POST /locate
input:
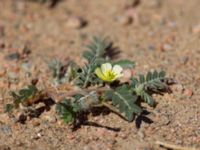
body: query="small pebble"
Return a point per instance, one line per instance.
(179, 142)
(35, 123)
(155, 3)
(123, 135)
(13, 77)
(141, 134)
(49, 116)
(124, 20)
(4, 118)
(6, 129)
(26, 66)
(188, 92)
(71, 136)
(178, 88)
(87, 147)
(196, 29)
(75, 22)
(151, 47)
(13, 56)
(166, 47)
(184, 60)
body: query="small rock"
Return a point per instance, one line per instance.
(184, 60)
(151, 47)
(13, 77)
(71, 136)
(48, 116)
(179, 142)
(75, 22)
(13, 56)
(178, 88)
(166, 47)
(123, 135)
(188, 92)
(6, 129)
(196, 29)
(141, 134)
(87, 147)
(4, 118)
(35, 122)
(124, 20)
(26, 66)
(172, 24)
(155, 3)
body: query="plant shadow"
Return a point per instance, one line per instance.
(82, 119)
(36, 112)
(143, 118)
(112, 51)
(54, 3)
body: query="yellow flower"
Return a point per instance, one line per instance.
(108, 73)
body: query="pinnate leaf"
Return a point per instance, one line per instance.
(123, 99)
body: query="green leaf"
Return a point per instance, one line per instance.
(69, 109)
(96, 49)
(9, 108)
(123, 99)
(125, 63)
(162, 74)
(95, 55)
(24, 94)
(149, 76)
(142, 78)
(148, 99)
(152, 83)
(66, 111)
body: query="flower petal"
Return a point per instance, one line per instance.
(117, 69)
(99, 73)
(119, 75)
(105, 68)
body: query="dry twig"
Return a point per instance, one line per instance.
(174, 147)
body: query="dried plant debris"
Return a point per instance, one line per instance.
(96, 84)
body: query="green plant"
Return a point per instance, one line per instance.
(22, 97)
(98, 84)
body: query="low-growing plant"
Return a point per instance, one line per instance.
(97, 84)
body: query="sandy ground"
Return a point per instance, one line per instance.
(163, 34)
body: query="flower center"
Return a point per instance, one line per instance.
(110, 75)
